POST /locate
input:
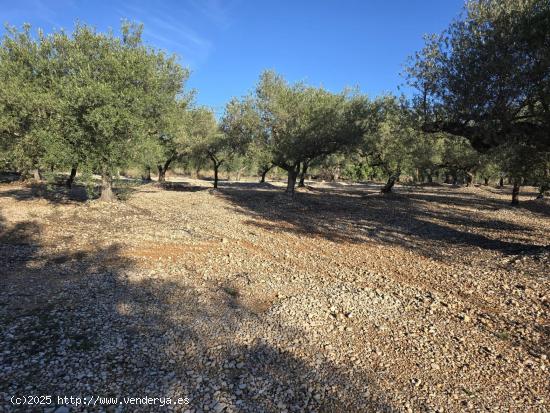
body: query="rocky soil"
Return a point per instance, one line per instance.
(432, 299)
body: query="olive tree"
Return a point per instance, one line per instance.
(243, 127)
(426, 155)
(109, 107)
(27, 105)
(209, 141)
(112, 106)
(303, 123)
(487, 77)
(488, 168)
(175, 136)
(522, 164)
(390, 137)
(459, 159)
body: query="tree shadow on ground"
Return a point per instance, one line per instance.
(537, 206)
(408, 219)
(58, 193)
(8, 177)
(91, 322)
(181, 187)
(250, 185)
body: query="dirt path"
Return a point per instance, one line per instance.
(431, 299)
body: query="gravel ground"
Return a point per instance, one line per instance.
(432, 299)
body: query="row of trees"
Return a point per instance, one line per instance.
(96, 103)
(88, 101)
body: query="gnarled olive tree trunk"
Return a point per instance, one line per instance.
(469, 178)
(161, 173)
(70, 180)
(107, 193)
(146, 177)
(391, 182)
(263, 172)
(292, 172)
(305, 165)
(216, 168)
(162, 170)
(216, 163)
(515, 191)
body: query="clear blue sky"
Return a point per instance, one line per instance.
(227, 43)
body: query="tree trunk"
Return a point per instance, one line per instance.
(216, 167)
(515, 192)
(146, 177)
(544, 186)
(391, 182)
(486, 181)
(23, 175)
(305, 165)
(430, 178)
(264, 173)
(162, 170)
(70, 180)
(162, 174)
(36, 175)
(107, 187)
(291, 180)
(501, 182)
(447, 178)
(469, 178)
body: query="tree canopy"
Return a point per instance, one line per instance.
(487, 77)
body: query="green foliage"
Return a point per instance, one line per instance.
(357, 171)
(210, 142)
(488, 168)
(243, 127)
(487, 77)
(519, 161)
(112, 107)
(426, 155)
(458, 155)
(303, 123)
(27, 103)
(203, 131)
(389, 144)
(88, 99)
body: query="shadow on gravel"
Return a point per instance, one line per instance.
(402, 219)
(77, 323)
(55, 194)
(59, 194)
(8, 177)
(537, 206)
(181, 187)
